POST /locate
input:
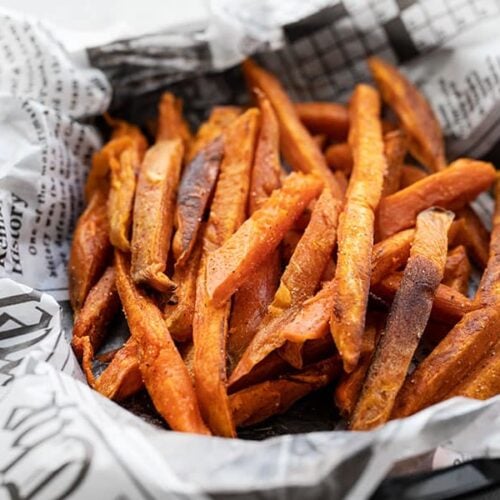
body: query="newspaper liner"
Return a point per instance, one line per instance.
(47, 98)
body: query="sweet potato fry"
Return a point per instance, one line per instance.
(459, 352)
(452, 188)
(220, 118)
(121, 197)
(99, 308)
(179, 311)
(90, 249)
(425, 138)
(259, 402)
(339, 157)
(195, 188)
(457, 270)
(162, 368)
(449, 305)
(328, 118)
(211, 322)
(320, 140)
(171, 123)
(356, 225)
(297, 145)
(349, 387)
(253, 297)
(407, 319)
(409, 175)
(154, 214)
(121, 128)
(395, 152)
(342, 180)
(122, 377)
(258, 236)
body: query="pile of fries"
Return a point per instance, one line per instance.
(246, 287)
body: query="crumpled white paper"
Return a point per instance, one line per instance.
(57, 437)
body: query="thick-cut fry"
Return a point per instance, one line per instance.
(121, 197)
(253, 297)
(258, 402)
(171, 123)
(425, 138)
(349, 387)
(163, 371)
(220, 118)
(298, 283)
(474, 236)
(211, 322)
(196, 186)
(121, 128)
(258, 236)
(356, 225)
(457, 270)
(407, 319)
(328, 118)
(452, 188)
(460, 351)
(297, 145)
(154, 214)
(409, 175)
(395, 152)
(179, 311)
(339, 157)
(122, 377)
(90, 249)
(449, 305)
(320, 140)
(99, 308)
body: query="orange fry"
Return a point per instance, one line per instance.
(328, 118)
(457, 270)
(211, 322)
(395, 152)
(90, 249)
(259, 402)
(409, 175)
(407, 320)
(258, 236)
(356, 225)
(339, 157)
(121, 128)
(162, 368)
(425, 138)
(171, 123)
(297, 145)
(195, 188)
(154, 214)
(452, 188)
(99, 308)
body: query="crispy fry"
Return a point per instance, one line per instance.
(154, 214)
(407, 319)
(459, 352)
(171, 123)
(99, 308)
(339, 157)
(425, 138)
(457, 270)
(253, 297)
(121, 197)
(449, 305)
(195, 188)
(395, 152)
(211, 322)
(121, 128)
(179, 311)
(122, 377)
(298, 283)
(259, 402)
(162, 368)
(328, 118)
(90, 249)
(452, 188)
(297, 145)
(230, 265)
(409, 175)
(356, 225)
